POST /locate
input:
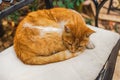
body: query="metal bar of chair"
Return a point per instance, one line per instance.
(98, 8)
(110, 5)
(48, 4)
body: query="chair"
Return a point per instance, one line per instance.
(96, 64)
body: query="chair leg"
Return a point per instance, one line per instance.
(110, 5)
(98, 8)
(1, 30)
(49, 4)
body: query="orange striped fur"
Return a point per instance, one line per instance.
(47, 36)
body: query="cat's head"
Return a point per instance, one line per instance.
(76, 43)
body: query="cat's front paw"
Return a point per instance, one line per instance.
(90, 45)
(81, 49)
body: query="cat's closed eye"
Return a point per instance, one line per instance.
(68, 42)
(87, 35)
(79, 46)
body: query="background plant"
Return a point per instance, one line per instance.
(68, 3)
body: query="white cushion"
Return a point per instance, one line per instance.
(86, 66)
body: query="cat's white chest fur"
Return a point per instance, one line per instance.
(46, 29)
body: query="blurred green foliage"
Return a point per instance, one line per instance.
(67, 3)
(14, 16)
(35, 6)
(88, 21)
(17, 14)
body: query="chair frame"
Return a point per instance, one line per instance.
(111, 7)
(107, 71)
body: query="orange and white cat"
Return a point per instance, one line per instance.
(47, 36)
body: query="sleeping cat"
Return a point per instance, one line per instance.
(47, 36)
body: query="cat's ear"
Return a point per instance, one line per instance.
(89, 32)
(67, 29)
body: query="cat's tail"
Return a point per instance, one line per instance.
(60, 56)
